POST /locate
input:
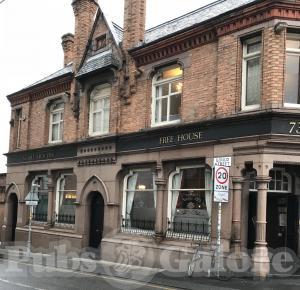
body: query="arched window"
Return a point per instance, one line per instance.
(66, 198)
(166, 96)
(189, 202)
(139, 202)
(99, 110)
(56, 124)
(40, 211)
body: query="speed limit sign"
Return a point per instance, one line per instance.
(221, 184)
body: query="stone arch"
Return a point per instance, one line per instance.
(12, 189)
(94, 184)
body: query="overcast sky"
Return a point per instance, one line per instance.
(30, 41)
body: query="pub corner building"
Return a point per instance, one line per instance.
(121, 141)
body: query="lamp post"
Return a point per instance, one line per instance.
(31, 200)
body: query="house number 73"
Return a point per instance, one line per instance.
(295, 128)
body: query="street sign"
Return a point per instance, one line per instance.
(221, 184)
(32, 202)
(222, 161)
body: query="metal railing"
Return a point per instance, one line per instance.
(138, 227)
(65, 218)
(185, 230)
(39, 217)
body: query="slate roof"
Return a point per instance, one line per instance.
(64, 71)
(195, 17)
(98, 61)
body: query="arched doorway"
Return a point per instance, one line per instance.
(12, 216)
(96, 208)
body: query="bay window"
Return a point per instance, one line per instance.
(251, 75)
(40, 211)
(56, 122)
(189, 202)
(139, 202)
(166, 100)
(99, 110)
(292, 82)
(65, 199)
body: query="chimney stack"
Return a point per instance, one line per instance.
(134, 22)
(84, 11)
(68, 47)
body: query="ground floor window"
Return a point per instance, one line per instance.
(189, 203)
(65, 199)
(40, 183)
(139, 202)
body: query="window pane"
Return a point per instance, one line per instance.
(176, 87)
(292, 79)
(97, 105)
(157, 114)
(175, 104)
(293, 43)
(106, 103)
(97, 122)
(56, 117)
(164, 109)
(165, 89)
(193, 178)
(55, 132)
(171, 73)
(253, 82)
(106, 120)
(254, 47)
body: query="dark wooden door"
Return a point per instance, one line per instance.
(96, 219)
(14, 208)
(251, 219)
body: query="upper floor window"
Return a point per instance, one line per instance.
(166, 100)
(99, 110)
(292, 83)
(101, 42)
(18, 126)
(56, 122)
(251, 76)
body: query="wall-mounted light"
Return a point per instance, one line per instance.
(279, 27)
(141, 187)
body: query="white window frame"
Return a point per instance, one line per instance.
(292, 51)
(60, 122)
(156, 83)
(246, 58)
(171, 189)
(103, 94)
(125, 190)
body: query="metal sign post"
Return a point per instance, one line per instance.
(31, 200)
(221, 192)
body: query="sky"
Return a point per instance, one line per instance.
(30, 42)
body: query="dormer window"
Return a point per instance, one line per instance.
(166, 100)
(56, 122)
(101, 42)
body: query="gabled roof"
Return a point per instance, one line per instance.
(97, 62)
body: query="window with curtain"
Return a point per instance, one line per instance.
(140, 200)
(40, 211)
(167, 91)
(292, 82)
(99, 110)
(190, 200)
(66, 198)
(56, 122)
(251, 79)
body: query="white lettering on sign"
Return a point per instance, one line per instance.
(222, 161)
(221, 184)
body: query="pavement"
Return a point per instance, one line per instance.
(19, 270)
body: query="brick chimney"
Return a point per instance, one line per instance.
(134, 22)
(84, 11)
(68, 47)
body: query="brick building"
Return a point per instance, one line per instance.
(121, 140)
